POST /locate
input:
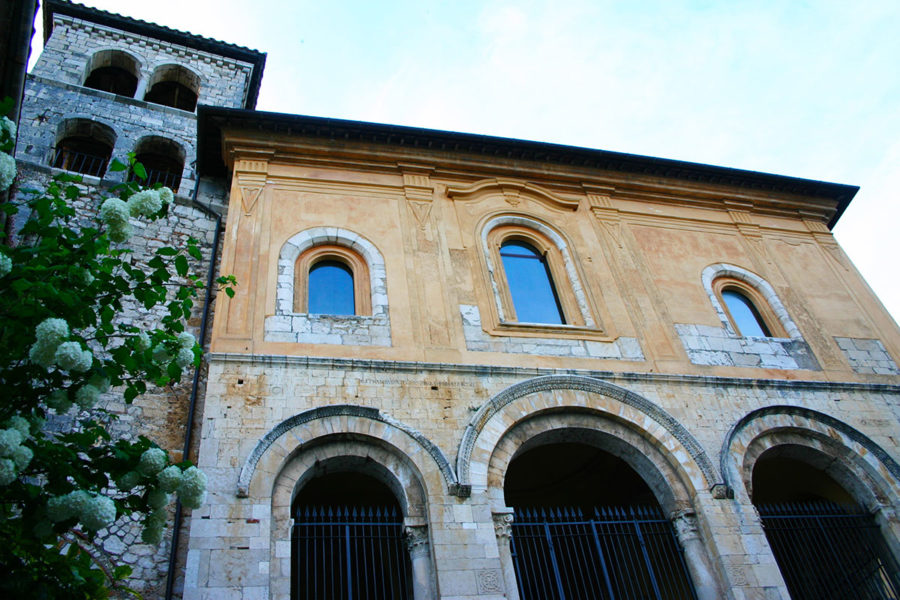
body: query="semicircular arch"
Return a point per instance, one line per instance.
(562, 393)
(309, 428)
(853, 459)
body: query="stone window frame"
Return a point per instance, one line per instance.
(570, 290)
(721, 276)
(331, 237)
(162, 145)
(179, 73)
(87, 128)
(362, 301)
(105, 57)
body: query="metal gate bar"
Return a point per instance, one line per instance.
(829, 552)
(614, 554)
(349, 553)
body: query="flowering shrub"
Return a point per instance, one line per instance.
(63, 344)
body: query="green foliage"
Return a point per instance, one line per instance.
(68, 268)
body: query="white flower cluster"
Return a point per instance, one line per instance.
(94, 511)
(152, 462)
(114, 213)
(145, 203)
(50, 348)
(7, 171)
(192, 490)
(5, 265)
(13, 455)
(8, 128)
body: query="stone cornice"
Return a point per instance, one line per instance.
(491, 370)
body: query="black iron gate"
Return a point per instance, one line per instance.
(349, 553)
(626, 553)
(829, 552)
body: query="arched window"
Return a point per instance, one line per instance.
(331, 288)
(744, 315)
(331, 280)
(747, 311)
(175, 86)
(83, 146)
(530, 284)
(163, 160)
(113, 71)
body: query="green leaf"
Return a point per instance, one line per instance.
(117, 165)
(139, 170)
(181, 265)
(167, 251)
(229, 292)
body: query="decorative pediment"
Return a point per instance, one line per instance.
(512, 190)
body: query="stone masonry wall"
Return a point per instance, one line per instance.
(73, 42)
(239, 546)
(160, 414)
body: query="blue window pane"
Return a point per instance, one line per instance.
(331, 289)
(530, 286)
(744, 314)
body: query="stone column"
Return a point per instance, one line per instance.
(695, 556)
(420, 558)
(503, 520)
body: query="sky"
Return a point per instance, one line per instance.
(801, 88)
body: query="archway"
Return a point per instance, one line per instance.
(826, 544)
(348, 535)
(587, 525)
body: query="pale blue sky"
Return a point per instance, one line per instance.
(807, 89)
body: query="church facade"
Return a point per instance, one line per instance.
(463, 367)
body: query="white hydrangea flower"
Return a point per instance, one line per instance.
(120, 232)
(142, 341)
(114, 212)
(44, 356)
(186, 339)
(98, 513)
(22, 457)
(5, 265)
(152, 461)
(166, 195)
(169, 478)
(7, 471)
(71, 357)
(77, 501)
(10, 439)
(20, 424)
(87, 396)
(51, 332)
(7, 171)
(8, 126)
(59, 401)
(192, 491)
(59, 508)
(184, 358)
(128, 481)
(157, 499)
(145, 202)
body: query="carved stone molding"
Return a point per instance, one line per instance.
(512, 190)
(416, 539)
(503, 525)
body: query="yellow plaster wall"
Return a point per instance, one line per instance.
(640, 262)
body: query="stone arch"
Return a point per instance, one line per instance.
(342, 439)
(83, 145)
(186, 79)
(563, 247)
(604, 432)
(765, 289)
(850, 457)
(607, 405)
(114, 58)
(316, 236)
(307, 430)
(163, 158)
